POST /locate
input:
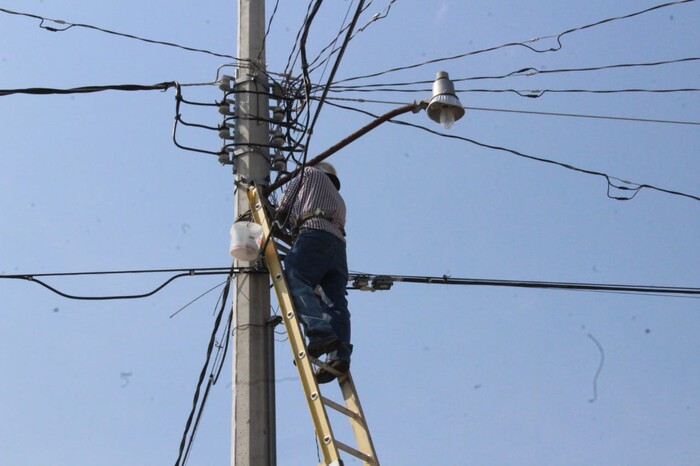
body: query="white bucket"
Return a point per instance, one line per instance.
(246, 240)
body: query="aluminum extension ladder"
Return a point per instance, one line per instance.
(305, 364)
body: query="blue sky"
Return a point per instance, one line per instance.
(447, 375)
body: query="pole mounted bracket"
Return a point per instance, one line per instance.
(236, 152)
(244, 75)
(243, 182)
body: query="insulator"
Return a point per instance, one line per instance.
(277, 91)
(225, 82)
(225, 158)
(277, 139)
(278, 156)
(277, 114)
(225, 109)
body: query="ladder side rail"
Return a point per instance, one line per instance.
(359, 426)
(319, 416)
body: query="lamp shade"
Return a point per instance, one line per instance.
(444, 107)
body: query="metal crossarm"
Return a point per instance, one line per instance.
(305, 364)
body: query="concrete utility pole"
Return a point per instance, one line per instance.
(253, 358)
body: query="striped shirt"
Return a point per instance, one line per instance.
(316, 192)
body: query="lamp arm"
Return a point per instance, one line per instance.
(415, 107)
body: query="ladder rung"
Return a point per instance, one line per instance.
(356, 453)
(282, 247)
(341, 409)
(327, 367)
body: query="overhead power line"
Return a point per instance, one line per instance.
(532, 112)
(578, 115)
(614, 183)
(536, 93)
(89, 89)
(533, 93)
(523, 72)
(192, 423)
(334, 69)
(558, 38)
(359, 281)
(183, 273)
(67, 25)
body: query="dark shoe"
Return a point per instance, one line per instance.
(320, 347)
(338, 368)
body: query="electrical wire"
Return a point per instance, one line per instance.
(558, 38)
(523, 72)
(613, 182)
(578, 115)
(534, 94)
(89, 89)
(196, 299)
(568, 286)
(183, 273)
(377, 16)
(532, 112)
(109, 298)
(267, 29)
(529, 93)
(191, 270)
(295, 52)
(69, 25)
(178, 119)
(331, 77)
(197, 407)
(324, 63)
(412, 279)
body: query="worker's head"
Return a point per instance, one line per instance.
(329, 170)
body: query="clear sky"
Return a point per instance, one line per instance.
(447, 375)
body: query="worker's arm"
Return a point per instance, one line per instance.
(287, 200)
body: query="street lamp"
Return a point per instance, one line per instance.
(444, 107)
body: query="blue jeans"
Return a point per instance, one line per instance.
(318, 258)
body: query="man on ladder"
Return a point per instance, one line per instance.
(315, 211)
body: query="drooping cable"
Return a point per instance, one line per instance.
(614, 183)
(537, 93)
(187, 273)
(568, 286)
(89, 89)
(331, 77)
(67, 25)
(578, 115)
(518, 44)
(315, 64)
(311, 68)
(532, 112)
(522, 72)
(294, 53)
(532, 93)
(197, 407)
(178, 119)
(417, 279)
(267, 29)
